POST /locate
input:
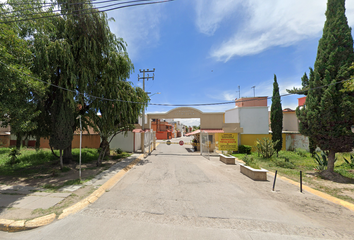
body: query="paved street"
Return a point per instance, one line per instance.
(178, 194)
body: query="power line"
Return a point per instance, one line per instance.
(60, 10)
(44, 3)
(165, 104)
(64, 14)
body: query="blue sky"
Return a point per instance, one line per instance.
(202, 50)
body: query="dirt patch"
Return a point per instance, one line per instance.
(53, 177)
(27, 214)
(340, 186)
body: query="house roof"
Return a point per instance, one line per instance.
(206, 130)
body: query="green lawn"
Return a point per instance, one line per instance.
(306, 164)
(301, 163)
(43, 161)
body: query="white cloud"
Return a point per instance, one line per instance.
(211, 13)
(266, 23)
(138, 26)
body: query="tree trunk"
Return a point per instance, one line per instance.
(105, 145)
(61, 159)
(18, 140)
(38, 142)
(68, 157)
(330, 164)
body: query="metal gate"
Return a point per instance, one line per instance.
(149, 142)
(137, 139)
(204, 144)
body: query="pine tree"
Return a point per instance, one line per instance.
(328, 112)
(276, 116)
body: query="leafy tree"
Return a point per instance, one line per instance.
(17, 88)
(119, 116)
(276, 117)
(327, 115)
(62, 135)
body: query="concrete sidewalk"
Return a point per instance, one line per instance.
(26, 199)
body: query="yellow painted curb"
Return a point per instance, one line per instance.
(41, 221)
(5, 223)
(100, 191)
(323, 195)
(15, 226)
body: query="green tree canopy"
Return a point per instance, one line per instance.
(328, 112)
(276, 117)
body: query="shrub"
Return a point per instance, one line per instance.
(249, 161)
(350, 161)
(265, 147)
(244, 149)
(301, 152)
(119, 151)
(284, 164)
(14, 152)
(322, 160)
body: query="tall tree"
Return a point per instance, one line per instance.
(327, 115)
(62, 135)
(276, 117)
(80, 53)
(119, 116)
(17, 88)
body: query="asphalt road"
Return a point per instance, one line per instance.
(178, 194)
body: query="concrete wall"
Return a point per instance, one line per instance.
(254, 120)
(88, 141)
(232, 116)
(212, 121)
(296, 140)
(290, 122)
(251, 139)
(252, 102)
(124, 142)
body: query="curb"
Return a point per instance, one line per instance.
(22, 225)
(320, 194)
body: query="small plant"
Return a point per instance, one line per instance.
(265, 147)
(249, 160)
(301, 152)
(229, 152)
(244, 149)
(350, 161)
(119, 151)
(65, 169)
(14, 152)
(284, 164)
(322, 160)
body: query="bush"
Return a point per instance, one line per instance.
(14, 152)
(350, 161)
(322, 160)
(119, 151)
(284, 164)
(244, 149)
(301, 152)
(249, 161)
(265, 147)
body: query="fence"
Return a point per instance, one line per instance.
(149, 143)
(204, 145)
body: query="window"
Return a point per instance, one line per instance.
(210, 139)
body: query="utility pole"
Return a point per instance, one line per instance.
(239, 92)
(254, 90)
(147, 78)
